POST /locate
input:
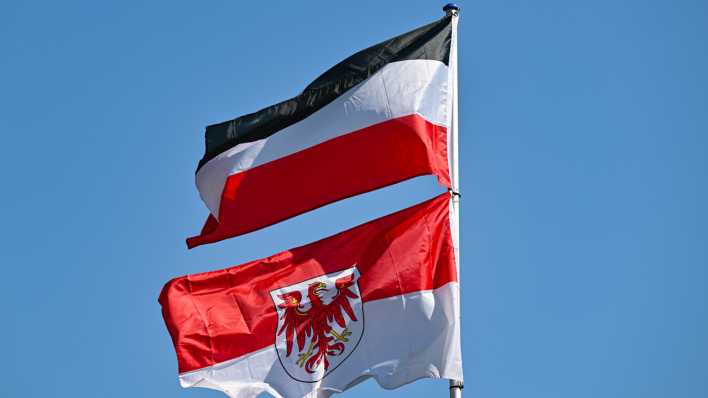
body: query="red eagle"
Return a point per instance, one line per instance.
(315, 322)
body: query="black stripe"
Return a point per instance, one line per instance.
(431, 41)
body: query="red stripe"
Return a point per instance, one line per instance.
(358, 162)
(220, 315)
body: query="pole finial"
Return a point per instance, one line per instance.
(451, 9)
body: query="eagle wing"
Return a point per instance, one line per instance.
(340, 302)
(297, 324)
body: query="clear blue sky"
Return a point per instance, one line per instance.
(584, 135)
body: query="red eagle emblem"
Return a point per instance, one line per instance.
(318, 318)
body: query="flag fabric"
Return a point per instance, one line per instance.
(377, 118)
(378, 301)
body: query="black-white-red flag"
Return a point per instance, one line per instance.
(377, 118)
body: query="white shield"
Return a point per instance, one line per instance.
(314, 313)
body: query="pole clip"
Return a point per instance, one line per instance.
(455, 193)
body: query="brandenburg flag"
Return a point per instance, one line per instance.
(378, 301)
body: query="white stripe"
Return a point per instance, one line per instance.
(406, 338)
(398, 89)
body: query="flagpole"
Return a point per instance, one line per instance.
(453, 10)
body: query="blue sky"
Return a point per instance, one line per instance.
(584, 130)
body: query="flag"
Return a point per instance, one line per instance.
(377, 118)
(378, 301)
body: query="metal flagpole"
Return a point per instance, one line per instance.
(453, 10)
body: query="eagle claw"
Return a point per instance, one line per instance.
(341, 336)
(301, 358)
